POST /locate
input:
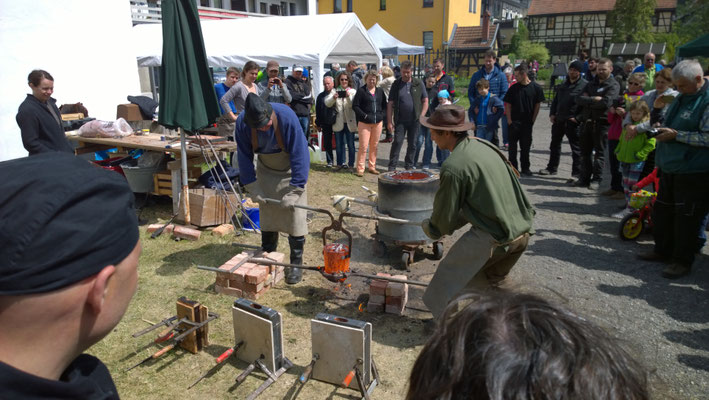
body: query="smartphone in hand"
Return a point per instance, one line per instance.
(342, 94)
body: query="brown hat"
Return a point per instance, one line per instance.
(448, 118)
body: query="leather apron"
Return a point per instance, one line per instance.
(273, 175)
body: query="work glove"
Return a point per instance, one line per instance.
(289, 199)
(256, 193)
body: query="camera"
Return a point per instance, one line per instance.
(652, 133)
(342, 94)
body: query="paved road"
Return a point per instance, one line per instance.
(576, 258)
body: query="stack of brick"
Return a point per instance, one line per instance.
(390, 297)
(249, 280)
(177, 231)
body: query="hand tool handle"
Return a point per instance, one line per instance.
(163, 351)
(306, 374)
(348, 379)
(164, 338)
(167, 330)
(245, 373)
(225, 355)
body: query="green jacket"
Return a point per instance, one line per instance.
(635, 150)
(417, 90)
(478, 187)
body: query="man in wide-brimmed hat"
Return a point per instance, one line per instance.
(480, 187)
(272, 131)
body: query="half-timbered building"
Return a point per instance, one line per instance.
(569, 27)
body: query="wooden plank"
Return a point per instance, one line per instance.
(203, 332)
(189, 309)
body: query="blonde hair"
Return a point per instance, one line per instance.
(387, 72)
(640, 77)
(642, 106)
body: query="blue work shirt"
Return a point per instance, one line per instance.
(293, 141)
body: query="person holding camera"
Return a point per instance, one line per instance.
(345, 123)
(272, 89)
(324, 118)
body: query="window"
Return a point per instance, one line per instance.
(238, 5)
(428, 40)
(292, 9)
(656, 19)
(349, 5)
(252, 6)
(337, 6)
(263, 8)
(204, 3)
(473, 7)
(551, 22)
(274, 9)
(284, 8)
(382, 5)
(427, 3)
(217, 3)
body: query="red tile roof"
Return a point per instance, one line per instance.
(551, 7)
(470, 37)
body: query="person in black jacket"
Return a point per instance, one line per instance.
(369, 105)
(563, 118)
(594, 102)
(39, 119)
(67, 274)
(408, 101)
(302, 98)
(325, 117)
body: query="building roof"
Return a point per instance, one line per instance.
(635, 49)
(552, 7)
(471, 37)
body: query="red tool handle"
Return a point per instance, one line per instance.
(165, 350)
(161, 339)
(225, 355)
(348, 379)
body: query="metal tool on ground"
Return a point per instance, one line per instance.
(340, 343)
(305, 376)
(219, 360)
(268, 382)
(159, 231)
(189, 329)
(242, 376)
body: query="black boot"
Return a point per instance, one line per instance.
(294, 275)
(269, 241)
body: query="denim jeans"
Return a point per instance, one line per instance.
(305, 124)
(327, 143)
(616, 174)
(505, 131)
(482, 132)
(341, 138)
(424, 140)
(408, 131)
(441, 156)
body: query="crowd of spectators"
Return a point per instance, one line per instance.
(613, 113)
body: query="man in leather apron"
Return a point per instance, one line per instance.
(272, 131)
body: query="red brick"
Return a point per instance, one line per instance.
(256, 275)
(228, 291)
(377, 299)
(222, 230)
(253, 287)
(183, 232)
(378, 288)
(254, 295)
(384, 274)
(375, 308)
(395, 289)
(154, 227)
(221, 280)
(275, 256)
(390, 309)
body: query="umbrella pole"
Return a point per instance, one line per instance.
(185, 183)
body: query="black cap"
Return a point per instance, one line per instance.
(63, 220)
(577, 65)
(257, 111)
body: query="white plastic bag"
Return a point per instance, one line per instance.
(106, 129)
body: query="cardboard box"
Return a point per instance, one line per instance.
(208, 208)
(129, 112)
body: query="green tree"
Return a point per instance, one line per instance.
(533, 51)
(520, 36)
(631, 21)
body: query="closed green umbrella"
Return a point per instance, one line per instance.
(187, 96)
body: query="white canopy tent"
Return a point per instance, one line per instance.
(389, 45)
(310, 40)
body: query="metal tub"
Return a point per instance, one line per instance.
(406, 195)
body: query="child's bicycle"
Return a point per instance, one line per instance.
(641, 219)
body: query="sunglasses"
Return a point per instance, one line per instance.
(634, 83)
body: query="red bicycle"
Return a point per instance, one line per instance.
(632, 225)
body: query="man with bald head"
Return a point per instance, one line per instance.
(69, 249)
(650, 68)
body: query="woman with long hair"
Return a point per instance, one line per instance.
(241, 89)
(369, 106)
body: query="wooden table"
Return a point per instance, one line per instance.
(153, 142)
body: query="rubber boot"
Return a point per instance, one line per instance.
(269, 241)
(294, 275)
